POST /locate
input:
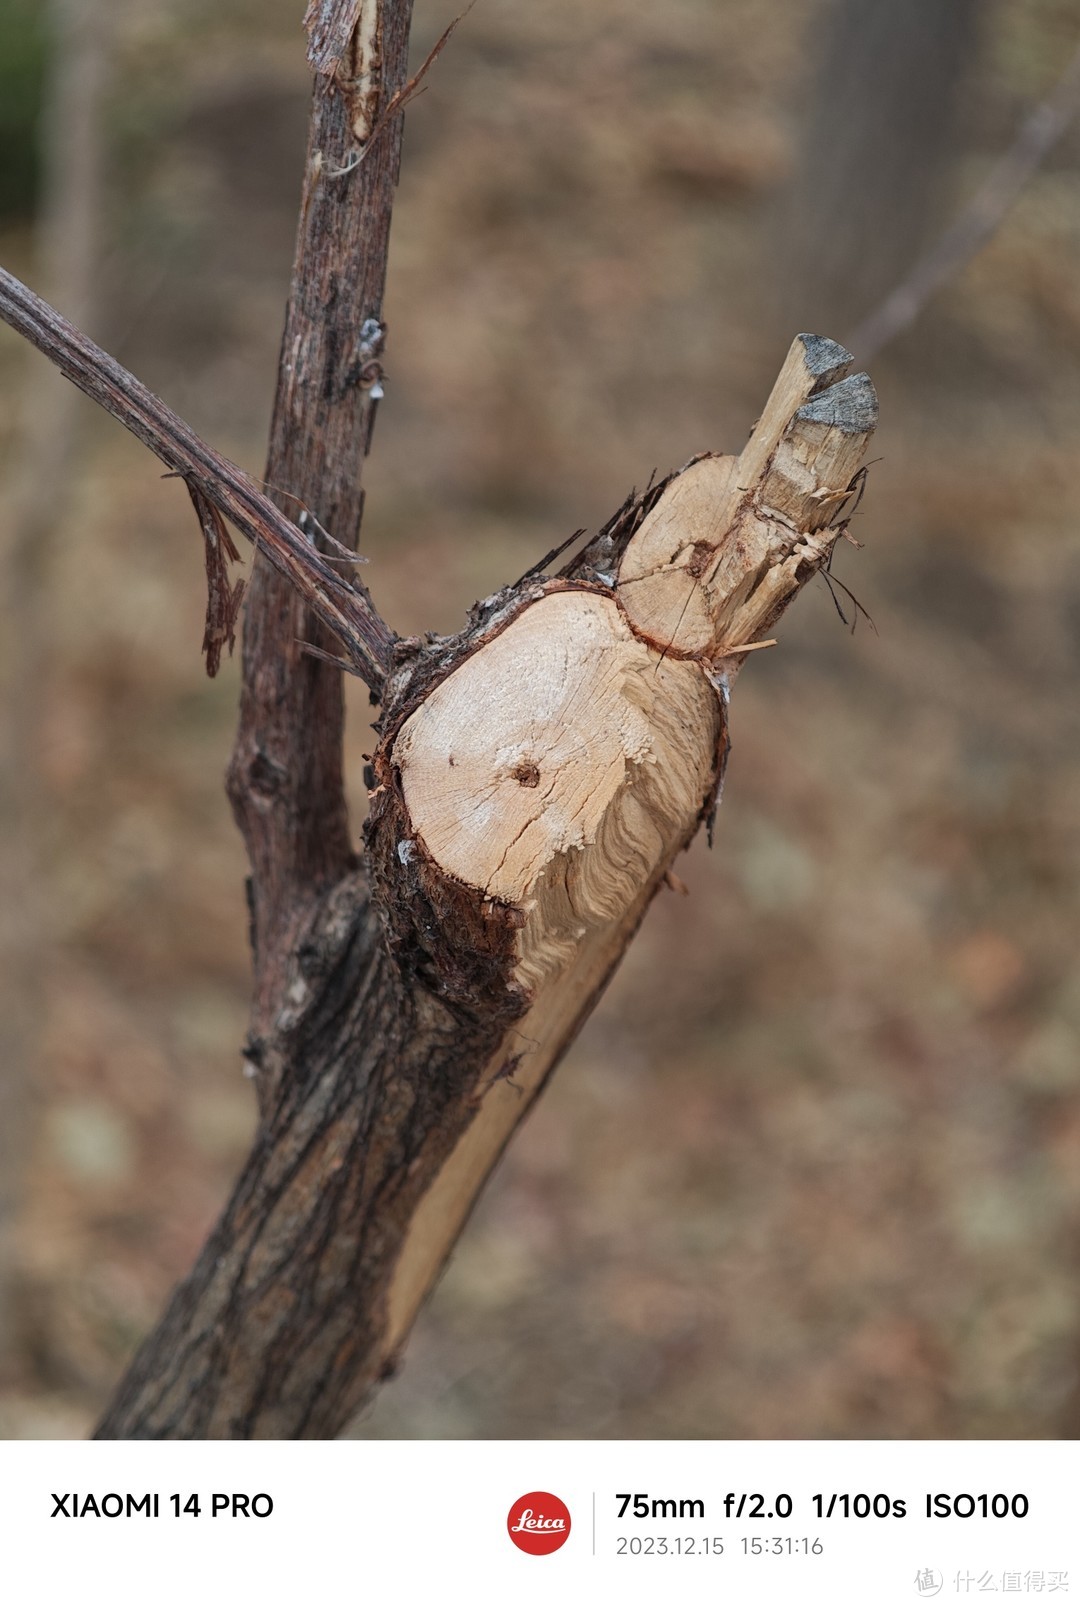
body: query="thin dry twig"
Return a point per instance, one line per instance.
(366, 638)
(979, 220)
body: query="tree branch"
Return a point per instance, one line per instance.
(285, 779)
(535, 777)
(977, 223)
(345, 612)
(408, 1013)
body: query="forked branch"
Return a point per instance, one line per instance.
(364, 636)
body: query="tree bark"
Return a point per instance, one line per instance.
(285, 780)
(535, 776)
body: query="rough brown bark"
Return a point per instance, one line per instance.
(285, 780)
(277, 1332)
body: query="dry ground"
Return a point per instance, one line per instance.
(814, 1167)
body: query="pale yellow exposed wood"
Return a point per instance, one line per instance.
(811, 365)
(562, 767)
(661, 581)
(725, 544)
(558, 767)
(810, 472)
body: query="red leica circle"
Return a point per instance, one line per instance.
(538, 1522)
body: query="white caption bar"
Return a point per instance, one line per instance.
(704, 1521)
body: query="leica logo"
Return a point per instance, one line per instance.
(529, 1522)
(538, 1523)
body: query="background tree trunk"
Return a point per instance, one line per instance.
(876, 143)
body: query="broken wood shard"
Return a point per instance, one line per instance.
(732, 538)
(818, 454)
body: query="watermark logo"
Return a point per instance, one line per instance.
(538, 1522)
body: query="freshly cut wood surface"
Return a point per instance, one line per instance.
(663, 580)
(561, 767)
(557, 768)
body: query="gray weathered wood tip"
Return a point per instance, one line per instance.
(825, 359)
(850, 406)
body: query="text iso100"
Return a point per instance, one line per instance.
(977, 1506)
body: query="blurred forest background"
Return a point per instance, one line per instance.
(813, 1169)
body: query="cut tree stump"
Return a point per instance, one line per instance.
(535, 777)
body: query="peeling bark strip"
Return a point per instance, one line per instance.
(535, 778)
